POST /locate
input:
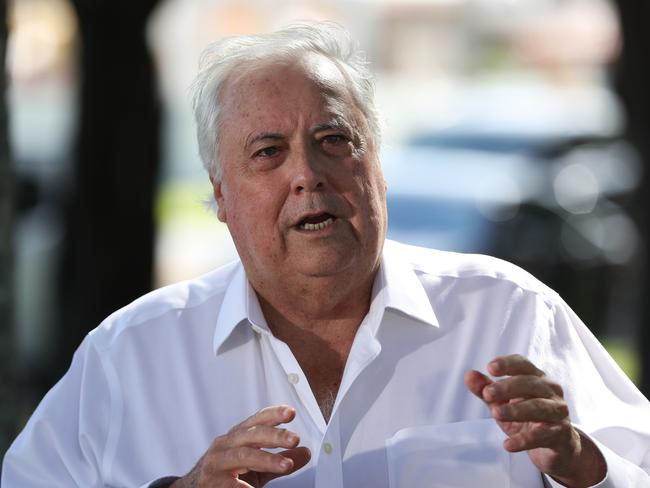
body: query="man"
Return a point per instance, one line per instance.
(327, 357)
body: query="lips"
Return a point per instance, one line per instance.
(316, 221)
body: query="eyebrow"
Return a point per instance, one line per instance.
(274, 136)
(335, 123)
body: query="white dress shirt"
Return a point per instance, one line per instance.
(157, 381)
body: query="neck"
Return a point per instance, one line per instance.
(311, 303)
(324, 304)
(319, 325)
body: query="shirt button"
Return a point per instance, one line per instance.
(327, 447)
(293, 378)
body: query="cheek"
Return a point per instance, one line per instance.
(371, 187)
(374, 204)
(255, 210)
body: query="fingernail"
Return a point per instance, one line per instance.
(292, 438)
(287, 411)
(285, 463)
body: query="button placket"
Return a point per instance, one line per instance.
(296, 378)
(329, 468)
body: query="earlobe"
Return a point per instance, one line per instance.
(218, 197)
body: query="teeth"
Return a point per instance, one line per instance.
(319, 226)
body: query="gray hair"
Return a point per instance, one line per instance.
(221, 58)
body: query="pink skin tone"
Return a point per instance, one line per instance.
(236, 459)
(531, 410)
(293, 148)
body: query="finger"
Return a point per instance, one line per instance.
(300, 457)
(550, 436)
(476, 382)
(274, 415)
(240, 460)
(533, 410)
(238, 483)
(522, 386)
(511, 365)
(260, 436)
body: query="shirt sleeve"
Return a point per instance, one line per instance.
(161, 482)
(63, 443)
(620, 472)
(602, 401)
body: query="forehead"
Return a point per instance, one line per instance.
(283, 86)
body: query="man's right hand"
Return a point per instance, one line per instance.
(237, 459)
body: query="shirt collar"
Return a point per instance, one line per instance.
(240, 305)
(396, 287)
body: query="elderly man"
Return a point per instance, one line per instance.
(328, 357)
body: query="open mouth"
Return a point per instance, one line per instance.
(316, 222)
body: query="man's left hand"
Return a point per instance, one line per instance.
(531, 410)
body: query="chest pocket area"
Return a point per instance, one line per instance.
(456, 455)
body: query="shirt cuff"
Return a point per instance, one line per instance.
(160, 482)
(620, 471)
(551, 483)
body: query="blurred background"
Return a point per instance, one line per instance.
(517, 128)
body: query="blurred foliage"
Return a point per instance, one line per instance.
(188, 201)
(625, 353)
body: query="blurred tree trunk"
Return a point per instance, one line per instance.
(6, 193)
(7, 385)
(633, 82)
(108, 249)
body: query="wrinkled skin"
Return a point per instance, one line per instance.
(236, 459)
(530, 408)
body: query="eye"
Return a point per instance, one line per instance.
(267, 152)
(338, 145)
(335, 139)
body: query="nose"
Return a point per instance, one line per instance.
(308, 173)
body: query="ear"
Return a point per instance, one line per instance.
(217, 192)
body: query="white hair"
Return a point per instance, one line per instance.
(223, 57)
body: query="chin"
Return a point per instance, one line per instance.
(323, 270)
(348, 267)
(326, 263)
